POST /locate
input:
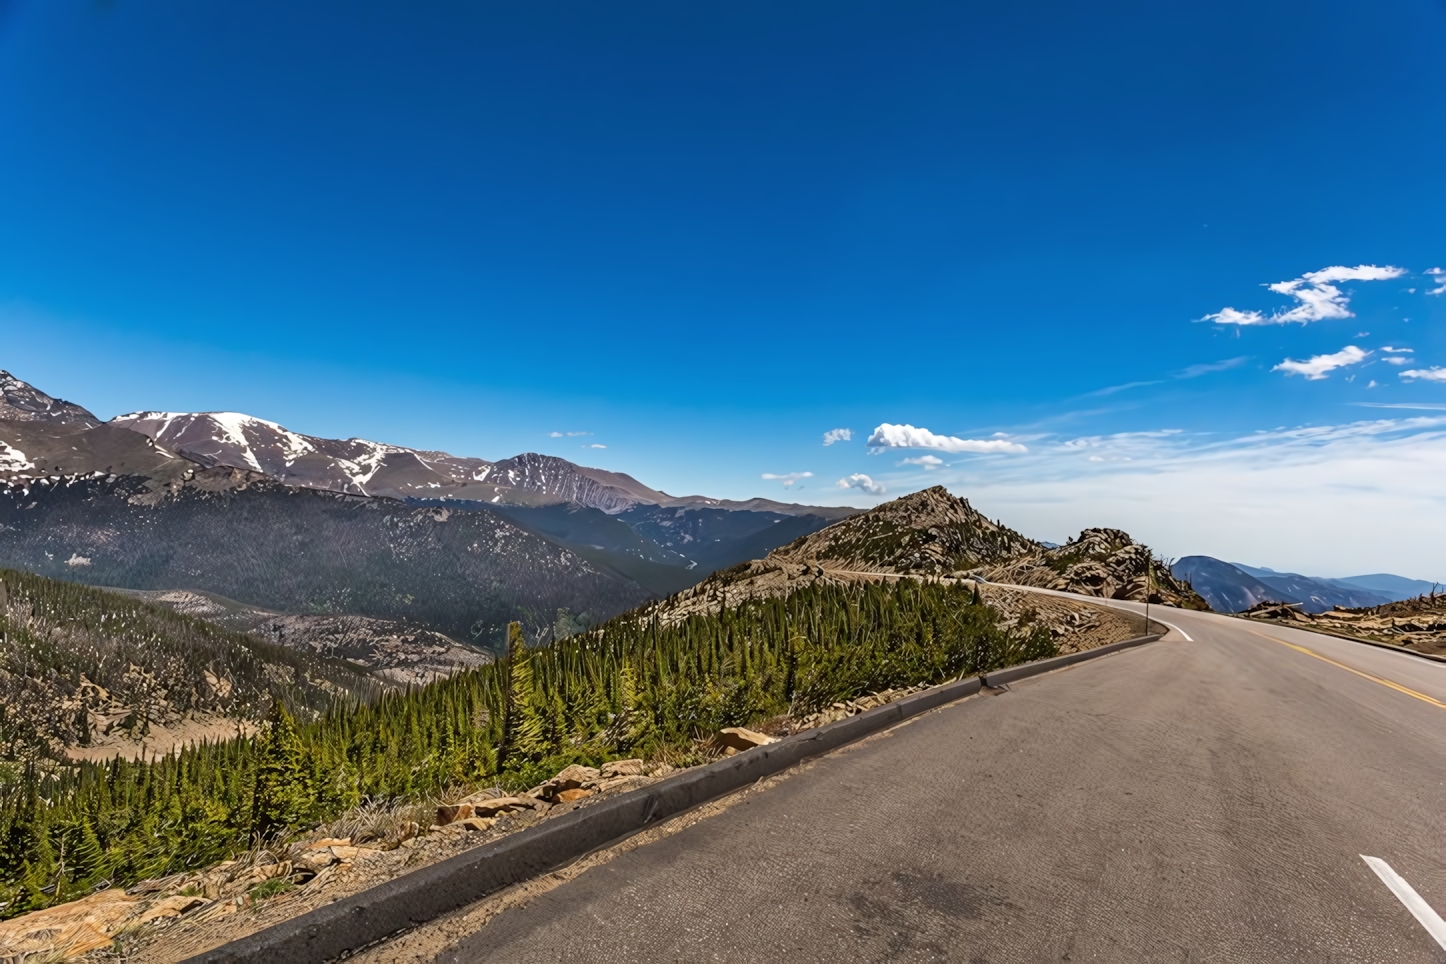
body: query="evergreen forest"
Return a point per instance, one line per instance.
(636, 686)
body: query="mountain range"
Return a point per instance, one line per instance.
(1236, 587)
(238, 506)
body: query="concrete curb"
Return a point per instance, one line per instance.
(364, 918)
(1026, 670)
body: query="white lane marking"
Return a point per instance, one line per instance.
(1407, 895)
(1174, 627)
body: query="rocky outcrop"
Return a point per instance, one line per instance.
(1106, 563)
(930, 531)
(1418, 624)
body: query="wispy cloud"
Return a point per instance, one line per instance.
(1396, 360)
(1432, 374)
(888, 436)
(837, 435)
(1316, 367)
(929, 462)
(1209, 368)
(1112, 389)
(596, 445)
(863, 483)
(788, 478)
(1316, 293)
(1192, 371)
(1439, 275)
(566, 434)
(1310, 496)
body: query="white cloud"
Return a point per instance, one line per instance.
(1440, 276)
(1317, 294)
(888, 436)
(566, 434)
(837, 435)
(929, 462)
(1432, 374)
(788, 478)
(1396, 360)
(1316, 367)
(863, 483)
(596, 445)
(1408, 351)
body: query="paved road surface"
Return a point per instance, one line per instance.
(1191, 801)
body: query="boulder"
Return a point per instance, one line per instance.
(575, 777)
(325, 842)
(171, 907)
(614, 783)
(316, 860)
(492, 806)
(622, 768)
(268, 871)
(738, 738)
(483, 806)
(577, 793)
(74, 928)
(452, 812)
(477, 824)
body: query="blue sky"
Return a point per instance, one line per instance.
(708, 234)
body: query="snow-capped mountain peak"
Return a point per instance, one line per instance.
(23, 402)
(356, 466)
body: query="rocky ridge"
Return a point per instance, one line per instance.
(934, 534)
(1098, 562)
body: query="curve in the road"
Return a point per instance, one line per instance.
(1185, 801)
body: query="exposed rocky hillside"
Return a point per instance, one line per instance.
(938, 536)
(98, 673)
(1418, 624)
(302, 551)
(1099, 562)
(935, 533)
(390, 649)
(21, 402)
(930, 531)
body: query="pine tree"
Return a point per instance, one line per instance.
(283, 797)
(523, 733)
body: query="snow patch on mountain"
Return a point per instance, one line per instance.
(13, 460)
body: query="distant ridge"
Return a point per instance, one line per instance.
(158, 485)
(1235, 587)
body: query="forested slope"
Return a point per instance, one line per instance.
(633, 687)
(78, 664)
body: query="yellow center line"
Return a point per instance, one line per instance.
(1374, 679)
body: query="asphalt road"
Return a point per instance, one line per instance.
(1195, 801)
